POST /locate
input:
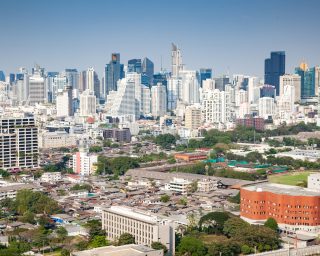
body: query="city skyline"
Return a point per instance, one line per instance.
(228, 36)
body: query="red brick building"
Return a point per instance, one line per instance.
(294, 208)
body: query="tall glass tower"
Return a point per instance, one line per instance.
(274, 67)
(112, 73)
(148, 70)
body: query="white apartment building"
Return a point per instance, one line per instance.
(190, 87)
(285, 103)
(179, 185)
(267, 107)
(207, 185)
(18, 143)
(158, 100)
(145, 100)
(144, 226)
(51, 177)
(37, 89)
(87, 103)
(295, 81)
(83, 162)
(58, 139)
(64, 102)
(122, 101)
(193, 117)
(218, 106)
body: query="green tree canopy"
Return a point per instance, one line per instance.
(271, 223)
(191, 246)
(126, 238)
(159, 246)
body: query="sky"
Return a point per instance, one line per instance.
(229, 36)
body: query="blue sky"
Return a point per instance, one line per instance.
(225, 35)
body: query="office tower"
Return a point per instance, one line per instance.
(174, 91)
(176, 61)
(37, 87)
(2, 76)
(218, 107)
(12, 78)
(22, 87)
(72, 77)
(160, 78)
(221, 82)
(37, 69)
(144, 226)
(18, 143)
(87, 103)
(122, 101)
(190, 87)
(295, 81)
(64, 102)
(135, 65)
(113, 72)
(267, 107)
(274, 67)
(268, 90)
(148, 71)
(158, 100)
(193, 117)
(51, 87)
(145, 100)
(82, 81)
(309, 80)
(205, 73)
(90, 79)
(285, 103)
(253, 86)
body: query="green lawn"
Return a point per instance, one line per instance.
(290, 178)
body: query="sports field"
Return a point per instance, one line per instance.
(294, 179)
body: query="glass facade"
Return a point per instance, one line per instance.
(113, 72)
(205, 73)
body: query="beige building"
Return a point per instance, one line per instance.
(145, 227)
(293, 80)
(193, 117)
(57, 139)
(124, 250)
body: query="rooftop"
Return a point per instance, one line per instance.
(282, 189)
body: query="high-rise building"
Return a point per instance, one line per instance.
(87, 103)
(18, 143)
(64, 102)
(82, 81)
(148, 71)
(158, 100)
(267, 107)
(59, 83)
(268, 90)
(193, 117)
(205, 73)
(37, 87)
(93, 82)
(274, 67)
(2, 76)
(309, 80)
(145, 100)
(190, 87)
(160, 78)
(135, 65)
(208, 84)
(174, 91)
(83, 162)
(295, 81)
(72, 77)
(113, 72)
(122, 101)
(285, 103)
(253, 87)
(221, 82)
(176, 61)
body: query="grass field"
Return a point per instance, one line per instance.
(290, 178)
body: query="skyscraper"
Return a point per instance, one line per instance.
(295, 81)
(37, 88)
(176, 61)
(310, 80)
(82, 81)
(158, 100)
(134, 65)
(148, 70)
(72, 77)
(205, 73)
(64, 102)
(2, 76)
(87, 103)
(274, 67)
(113, 72)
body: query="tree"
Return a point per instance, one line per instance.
(165, 140)
(191, 246)
(95, 149)
(233, 225)
(95, 229)
(226, 248)
(4, 174)
(245, 249)
(165, 198)
(235, 199)
(28, 217)
(81, 187)
(271, 223)
(159, 246)
(64, 252)
(193, 187)
(213, 222)
(126, 238)
(98, 241)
